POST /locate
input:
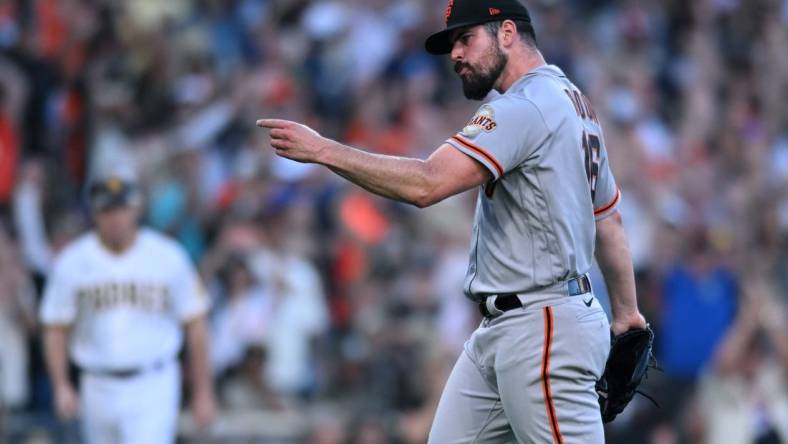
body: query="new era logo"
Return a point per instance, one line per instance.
(494, 11)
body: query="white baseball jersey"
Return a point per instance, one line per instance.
(126, 309)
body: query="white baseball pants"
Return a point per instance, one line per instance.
(142, 409)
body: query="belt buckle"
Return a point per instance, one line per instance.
(579, 285)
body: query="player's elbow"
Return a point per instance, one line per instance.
(430, 193)
(426, 199)
(420, 203)
(427, 192)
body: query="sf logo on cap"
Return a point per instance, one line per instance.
(449, 7)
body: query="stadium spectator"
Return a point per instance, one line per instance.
(17, 324)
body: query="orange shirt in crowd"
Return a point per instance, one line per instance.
(9, 154)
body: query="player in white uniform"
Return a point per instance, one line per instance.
(120, 299)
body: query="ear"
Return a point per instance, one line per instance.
(507, 34)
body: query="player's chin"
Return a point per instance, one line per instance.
(473, 92)
(476, 87)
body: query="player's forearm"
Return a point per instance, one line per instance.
(197, 345)
(615, 261)
(403, 179)
(56, 354)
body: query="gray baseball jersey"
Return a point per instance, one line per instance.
(535, 221)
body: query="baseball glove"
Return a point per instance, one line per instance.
(628, 363)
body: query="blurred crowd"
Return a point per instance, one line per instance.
(337, 315)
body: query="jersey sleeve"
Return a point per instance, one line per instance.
(606, 193)
(59, 304)
(189, 297)
(503, 134)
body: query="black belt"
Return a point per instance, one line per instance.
(510, 301)
(125, 373)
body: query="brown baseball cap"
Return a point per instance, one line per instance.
(462, 13)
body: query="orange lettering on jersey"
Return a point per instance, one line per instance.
(582, 105)
(486, 123)
(484, 120)
(572, 99)
(590, 109)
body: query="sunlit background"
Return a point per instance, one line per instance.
(352, 305)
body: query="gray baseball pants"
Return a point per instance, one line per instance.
(528, 375)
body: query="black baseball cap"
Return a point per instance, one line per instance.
(114, 192)
(462, 13)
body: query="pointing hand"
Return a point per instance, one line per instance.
(295, 141)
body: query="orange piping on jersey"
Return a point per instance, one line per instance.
(548, 397)
(610, 204)
(481, 151)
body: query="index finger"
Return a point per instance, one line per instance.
(273, 123)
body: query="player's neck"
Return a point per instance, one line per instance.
(118, 246)
(518, 67)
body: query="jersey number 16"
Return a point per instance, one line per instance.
(591, 146)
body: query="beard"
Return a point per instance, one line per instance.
(480, 80)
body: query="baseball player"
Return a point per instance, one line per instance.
(546, 197)
(120, 299)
